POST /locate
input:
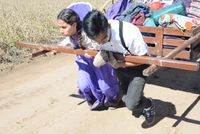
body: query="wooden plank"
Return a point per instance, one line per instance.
(177, 32)
(191, 66)
(159, 43)
(150, 40)
(152, 51)
(149, 29)
(157, 40)
(181, 55)
(173, 42)
(38, 53)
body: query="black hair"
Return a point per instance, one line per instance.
(70, 17)
(95, 23)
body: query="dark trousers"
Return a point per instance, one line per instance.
(132, 82)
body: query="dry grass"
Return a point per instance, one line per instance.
(32, 21)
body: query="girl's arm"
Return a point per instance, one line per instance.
(125, 64)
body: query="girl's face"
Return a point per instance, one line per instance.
(103, 37)
(66, 29)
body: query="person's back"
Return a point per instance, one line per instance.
(132, 37)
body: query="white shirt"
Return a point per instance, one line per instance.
(132, 38)
(88, 43)
(66, 42)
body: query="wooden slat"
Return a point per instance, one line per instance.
(149, 29)
(152, 51)
(159, 44)
(176, 32)
(157, 40)
(167, 31)
(181, 55)
(173, 42)
(150, 40)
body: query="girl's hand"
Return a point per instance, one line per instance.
(54, 52)
(118, 65)
(88, 56)
(124, 65)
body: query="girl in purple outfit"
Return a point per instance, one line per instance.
(98, 86)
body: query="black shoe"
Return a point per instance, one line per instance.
(138, 110)
(149, 114)
(97, 106)
(137, 113)
(121, 104)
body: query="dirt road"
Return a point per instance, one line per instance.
(36, 98)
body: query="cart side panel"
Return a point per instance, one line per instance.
(161, 41)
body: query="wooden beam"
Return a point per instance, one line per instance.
(186, 65)
(177, 32)
(38, 53)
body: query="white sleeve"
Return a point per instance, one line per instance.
(65, 42)
(135, 43)
(88, 43)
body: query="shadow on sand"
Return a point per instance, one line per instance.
(176, 79)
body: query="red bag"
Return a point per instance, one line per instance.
(139, 19)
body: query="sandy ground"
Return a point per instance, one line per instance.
(37, 98)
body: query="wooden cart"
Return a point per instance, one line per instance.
(165, 50)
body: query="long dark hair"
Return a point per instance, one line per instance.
(70, 17)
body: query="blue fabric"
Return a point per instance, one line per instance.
(81, 8)
(176, 8)
(185, 2)
(98, 86)
(87, 81)
(133, 9)
(114, 11)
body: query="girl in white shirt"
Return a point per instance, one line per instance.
(98, 86)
